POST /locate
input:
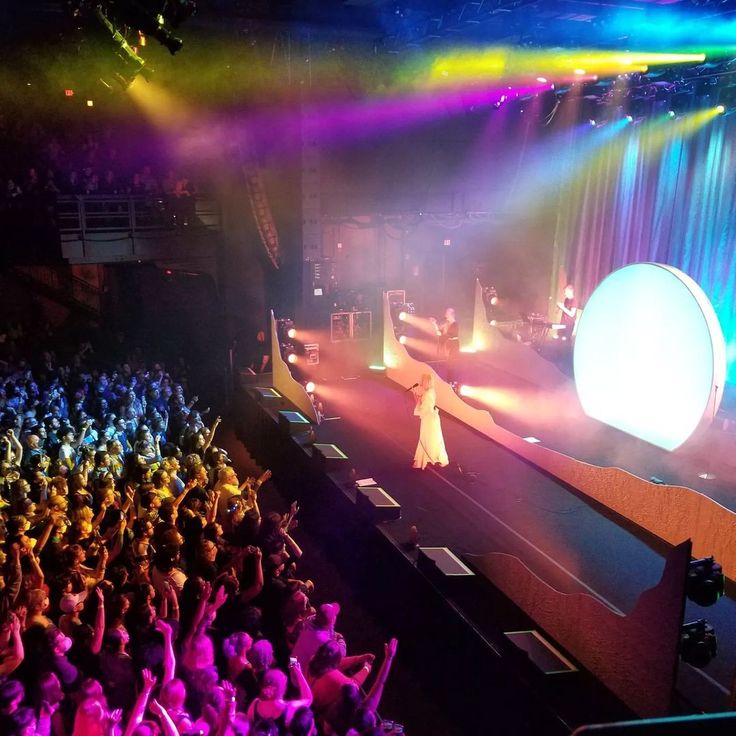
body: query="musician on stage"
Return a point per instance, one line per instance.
(449, 341)
(431, 446)
(569, 309)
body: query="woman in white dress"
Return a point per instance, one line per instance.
(431, 445)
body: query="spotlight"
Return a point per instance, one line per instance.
(402, 316)
(592, 123)
(493, 323)
(629, 119)
(291, 332)
(706, 582)
(720, 109)
(494, 301)
(291, 358)
(541, 80)
(579, 72)
(150, 24)
(310, 387)
(402, 340)
(464, 390)
(698, 643)
(671, 114)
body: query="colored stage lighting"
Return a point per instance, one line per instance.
(720, 109)
(310, 387)
(465, 390)
(402, 340)
(650, 358)
(291, 333)
(706, 583)
(291, 358)
(402, 316)
(541, 80)
(698, 643)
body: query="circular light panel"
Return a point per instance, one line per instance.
(650, 358)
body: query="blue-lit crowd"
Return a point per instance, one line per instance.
(142, 590)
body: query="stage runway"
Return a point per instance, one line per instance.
(501, 503)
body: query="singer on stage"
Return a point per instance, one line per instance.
(431, 445)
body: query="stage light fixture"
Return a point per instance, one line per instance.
(291, 358)
(402, 340)
(720, 109)
(706, 582)
(671, 114)
(310, 387)
(291, 333)
(629, 119)
(402, 316)
(464, 390)
(592, 123)
(698, 643)
(541, 80)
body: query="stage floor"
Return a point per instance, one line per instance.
(501, 503)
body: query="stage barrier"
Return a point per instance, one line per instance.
(672, 513)
(634, 655)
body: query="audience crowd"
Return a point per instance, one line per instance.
(37, 166)
(142, 591)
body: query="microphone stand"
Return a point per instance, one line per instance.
(707, 474)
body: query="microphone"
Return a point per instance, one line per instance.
(411, 387)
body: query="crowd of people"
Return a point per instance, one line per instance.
(37, 166)
(142, 591)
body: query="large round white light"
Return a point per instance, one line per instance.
(650, 358)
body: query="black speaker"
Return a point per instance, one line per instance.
(441, 563)
(328, 457)
(376, 503)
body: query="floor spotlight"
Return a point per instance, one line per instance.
(698, 643)
(706, 582)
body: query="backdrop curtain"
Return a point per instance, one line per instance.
(654, 198)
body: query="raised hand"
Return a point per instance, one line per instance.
(389, 649)
(149, 680)
(164, 628)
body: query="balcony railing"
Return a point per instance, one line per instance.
(106, 214)
(117, 228)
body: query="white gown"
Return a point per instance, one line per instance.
(431, 445)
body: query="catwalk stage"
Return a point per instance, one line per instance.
(491, 500)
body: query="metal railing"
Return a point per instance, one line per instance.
(98, 214)
(65, 284)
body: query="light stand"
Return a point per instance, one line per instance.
(707, 474)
